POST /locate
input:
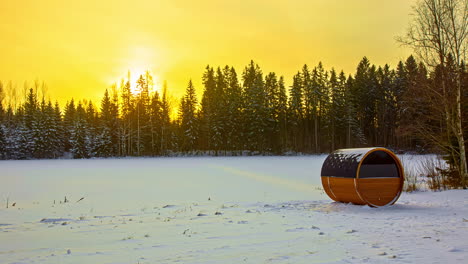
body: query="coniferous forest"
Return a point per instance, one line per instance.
(246, 113)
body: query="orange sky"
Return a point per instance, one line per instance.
(79, 48)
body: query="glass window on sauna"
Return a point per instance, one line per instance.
(379, 164)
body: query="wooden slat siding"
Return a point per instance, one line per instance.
(379, 192)
(344, 190)
(326, 188)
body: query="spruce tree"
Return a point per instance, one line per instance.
(104, 146)
(255, 111)
(167, 135)
(354, 134)
(363, 94)
(126, 137)
(386, 107)
(155, 123)
(233, 125)
(49, 132)
(282, 111)
(218, 138)
(80, 135)
(188, 119)
(68, 124)
(337, 114)
(296, 112)
(30, 128)
(208, 109)
(143, 129)
(39, 133)
(272, 132)
(59, 138)
(340, 101)
(320, 104)
(309, 121)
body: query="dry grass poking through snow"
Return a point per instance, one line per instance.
(423, 172)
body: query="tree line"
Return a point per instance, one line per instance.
(255, 113)
(416, 106)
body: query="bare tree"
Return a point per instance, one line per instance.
(40, 89)
(2, 93)
(12, 95)
(438, 33)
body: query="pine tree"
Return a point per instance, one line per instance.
(218, 120)
(272, 132)
(104, 144)
(255, 107)
(320, 92)
(140, 111)
(68, 124)
(127, 133)
(30, 129)
(80, 135)
(115, 123)
(354, 134)
(296, 113)
(188, 119)
(208, 109)
(282, 111)
(411, 79)
(155, 122)
(49, 132)
(233, 125)
(386, 107)
(364, 92)
(167, 135)
(310, 95)
(91, 117)
(143, 128)
(21, 137)
(59, 134)
(337, 112)
(40, 127)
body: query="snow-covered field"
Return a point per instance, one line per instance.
(214, 210)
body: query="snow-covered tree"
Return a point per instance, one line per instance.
(188, 119)
(234, 103)
(296, 112)
(80, 135)
(255, 108)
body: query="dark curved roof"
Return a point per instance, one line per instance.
(340, 164)
(344, 163)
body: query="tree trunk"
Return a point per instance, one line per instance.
(316, 133)
(460, 137)
(333, 136)
(348, 134)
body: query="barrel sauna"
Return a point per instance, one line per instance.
(367, 176)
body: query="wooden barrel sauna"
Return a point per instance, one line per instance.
(367, 176)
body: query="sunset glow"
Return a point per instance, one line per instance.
(80, 48)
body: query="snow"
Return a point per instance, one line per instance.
(214, 210)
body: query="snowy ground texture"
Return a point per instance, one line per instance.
(214, 210)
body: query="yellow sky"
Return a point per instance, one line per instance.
(79, 48)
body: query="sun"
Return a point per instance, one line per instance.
(154, 84)
(140, 60)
